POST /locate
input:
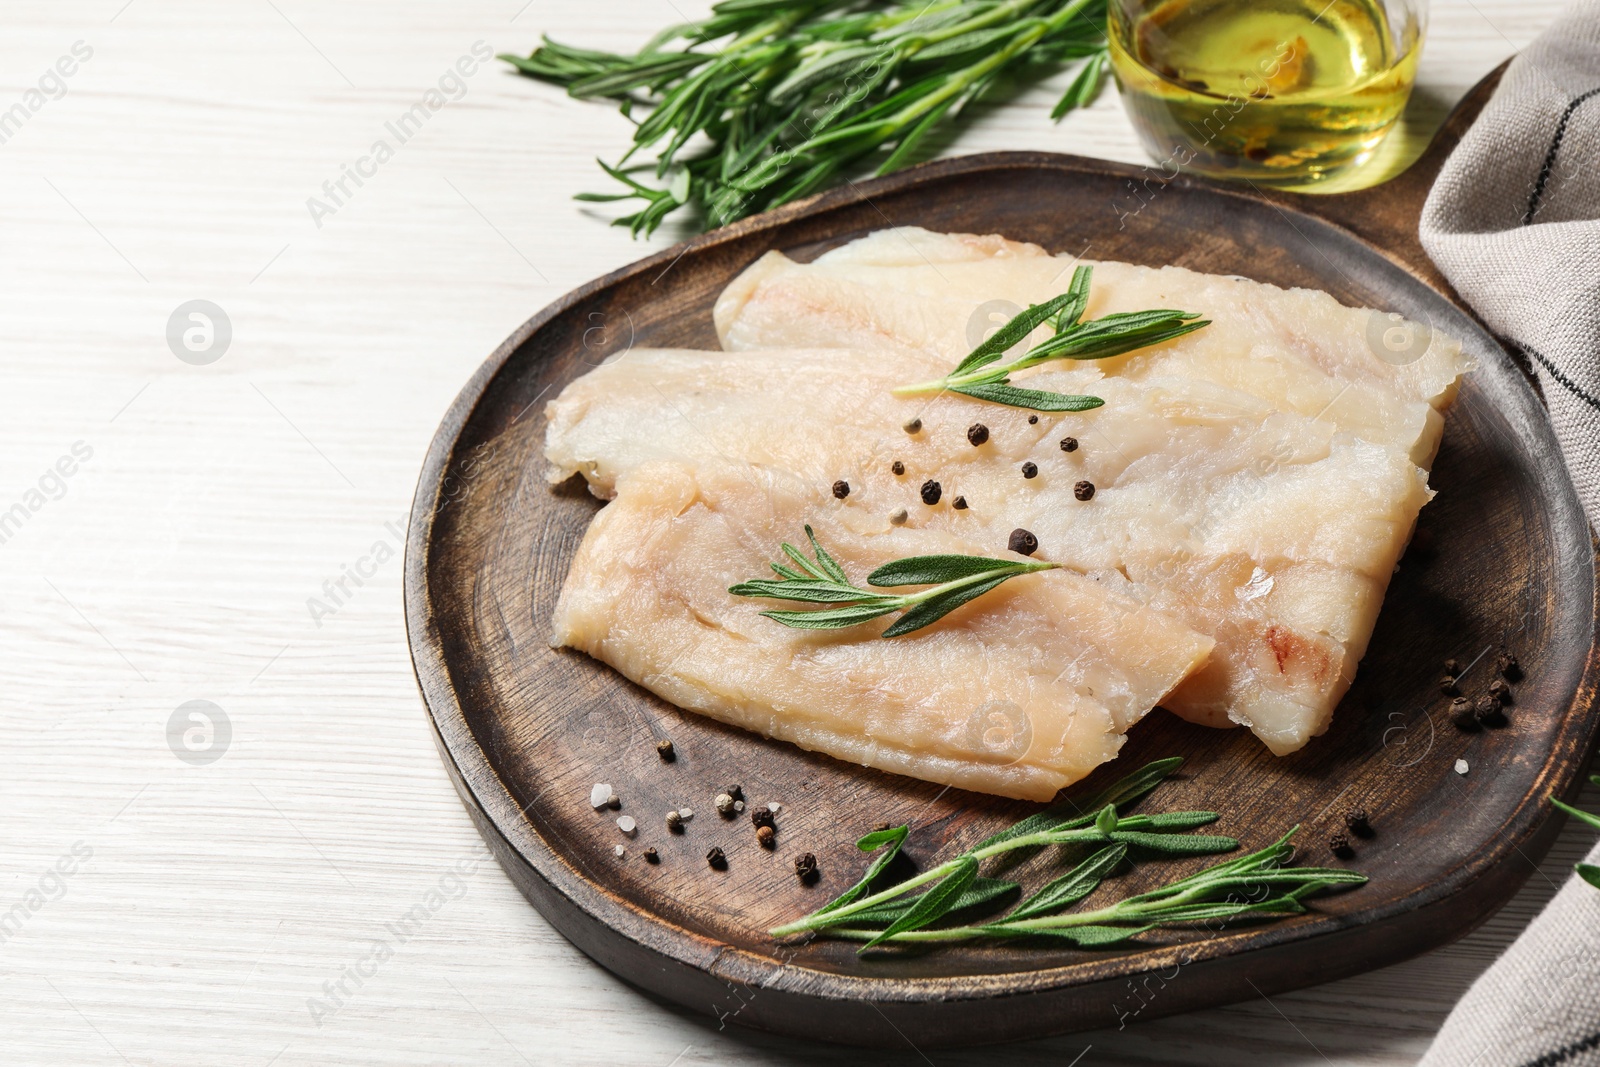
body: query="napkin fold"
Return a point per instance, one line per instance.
(1514, 223)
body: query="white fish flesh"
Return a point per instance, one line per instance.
(1263, 485)
(1000, 696)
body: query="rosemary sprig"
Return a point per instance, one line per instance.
(821, 580)
(1589, 872)
(1260, 883)
(781, 97)
(978, 375)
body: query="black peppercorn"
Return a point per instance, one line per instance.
(897, 467)
(1029, 470)
(1506, 663)
(1452, 666)
(665, 750)
(1447, 685)
(882, 826)
(841, 489)
(1033, 420)
(913, 427)
(1069, 444)
(959, 503)
(736, 792)
(1022, 541)
(931, 492)
(1500, 690)
(1461, 715)
(716, 859)
(1083, 490)
(977, 434)
(761, 817)
(651, 856)
(1489, 711)
(1358, 823)
(805, 868)
(1339, 845)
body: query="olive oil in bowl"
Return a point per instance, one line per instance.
(1280, 91)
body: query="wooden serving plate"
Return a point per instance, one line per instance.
(1504, 554)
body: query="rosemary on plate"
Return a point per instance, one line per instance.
(955, 580)
(982, 376)
(1262, 883)
(769, 100)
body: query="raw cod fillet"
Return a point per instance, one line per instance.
(998, 697)
(910, 289)
(1259, 478)
(1211, 505)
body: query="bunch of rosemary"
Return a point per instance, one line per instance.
(769, 100)
(1261, 883)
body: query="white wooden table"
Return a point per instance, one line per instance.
(214, 910)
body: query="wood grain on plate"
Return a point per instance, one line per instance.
(1504, 555)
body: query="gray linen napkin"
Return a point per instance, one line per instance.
(1514, 223)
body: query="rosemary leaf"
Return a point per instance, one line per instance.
(980, 892)
(1082, 936)
(819, 579)
(1177, 844)
(932, 610)
(935, 903)
(894, 838)
(1072, 886)
(1067, 815)
(834, 619)
(1576, 813)
(981, 375)
(1084, 88)
(1024, 323)
(1032, 399)
(930, 570)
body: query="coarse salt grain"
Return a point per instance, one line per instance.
(600, 796)
(627, 824)
(685, 814)
(1461, 766)
(618, 849)
(774, 807)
